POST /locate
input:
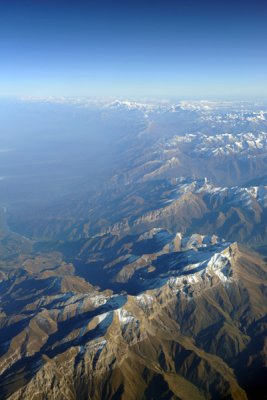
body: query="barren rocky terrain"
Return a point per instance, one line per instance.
(149, 281)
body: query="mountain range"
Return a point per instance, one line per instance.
(148, 281)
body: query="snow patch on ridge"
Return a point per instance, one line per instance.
(144, 300)
(219, 264)
(125, 317)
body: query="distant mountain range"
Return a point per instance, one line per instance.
(149, 283)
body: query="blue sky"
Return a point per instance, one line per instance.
(188, 48)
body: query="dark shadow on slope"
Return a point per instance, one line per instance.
(28, 366)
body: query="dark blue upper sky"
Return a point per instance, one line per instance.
(189, 48)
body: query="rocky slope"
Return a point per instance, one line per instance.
(130, 284)
(187, 205)
(199, 334)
